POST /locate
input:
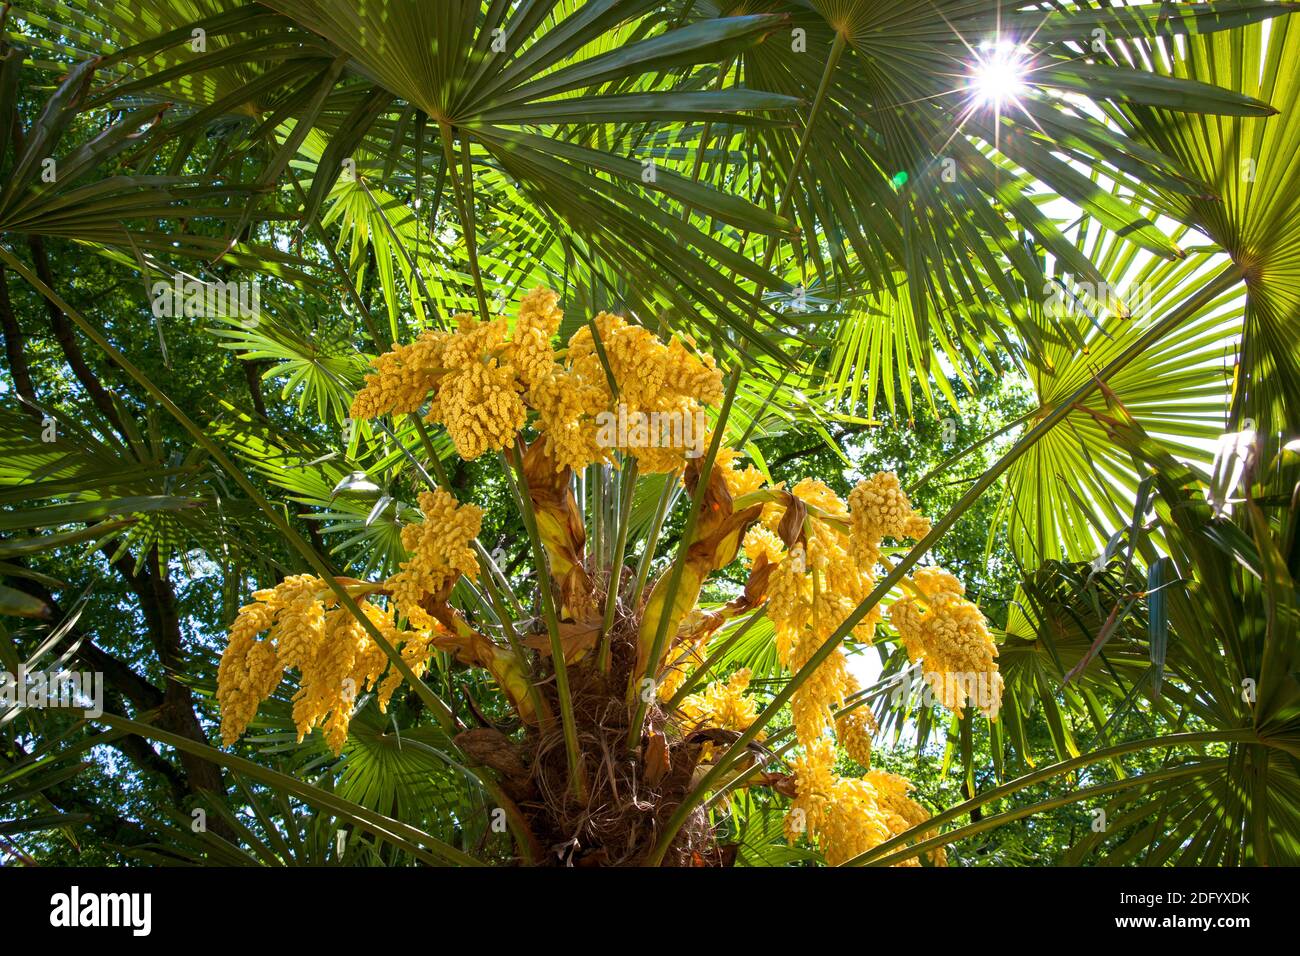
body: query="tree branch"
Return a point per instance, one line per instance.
(253, 379)
(176, 714)
(67, 340)
(14, 350)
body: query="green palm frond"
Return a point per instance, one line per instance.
(1073, 490)
(933, 189)
(359, 495)
(81, 490)
(1253, 209)
(497, 105)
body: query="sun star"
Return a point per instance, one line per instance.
(997, 76)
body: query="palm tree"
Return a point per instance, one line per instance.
(825, 196)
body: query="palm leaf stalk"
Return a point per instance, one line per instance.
(620, 552)
(1169, 741)
(518, 478)
(665, 606)
(405, 837)
(463, 190)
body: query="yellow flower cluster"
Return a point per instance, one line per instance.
(902, 812)
(880, 509)
(674, 671)
(249, 671)
(347, 661)
(812, 591)
(739, 481)
(849, 816)
(538, 320)
(760, 542)
(481, 408)
(439, 548)
(648, 372)
(723, 705)
(476, 394)
(567, 405)
(855, 729)
(652, 378)
(951, 636)
(481, 379)
(820, 495)
(402, 377)
(334, 655)
(814, 704)
(478, 399)
(841, 813)
(817, 584)
(416, 653)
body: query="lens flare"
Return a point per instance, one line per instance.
(997, 77)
